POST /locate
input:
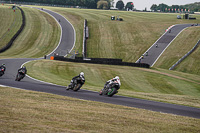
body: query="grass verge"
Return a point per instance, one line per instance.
(40, 36)
(179, 47)
(136, 82)
(10, 23)
(127, 39)
(29, 111)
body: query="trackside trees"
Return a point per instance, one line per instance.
(102, 4)
(129, 6)
(154, 7)
(120, 5)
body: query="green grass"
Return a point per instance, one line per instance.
(41, 112)
(113, 39)
(39, 37)
(136, 82)
(178, 48)
(10, 23)
(29, 111)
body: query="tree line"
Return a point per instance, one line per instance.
(92, 4)
(195, 7)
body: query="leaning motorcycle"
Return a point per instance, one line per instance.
(76, 84)
(2, 70)
(110, 90)
(20, 75)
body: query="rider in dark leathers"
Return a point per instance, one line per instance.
(81, 75)
(20, 70)
(2, 69)
(23, 68)
(3, 66)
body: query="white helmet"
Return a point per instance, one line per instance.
(81, 74)
(117, 77)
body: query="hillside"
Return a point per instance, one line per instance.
(178, 48)
(31, 111)
(40, 36)
(156, 85)
(127, 39)
(9, 25)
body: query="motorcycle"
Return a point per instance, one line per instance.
(2, 70)
(110, 89)
(76, 84)
(20, 75)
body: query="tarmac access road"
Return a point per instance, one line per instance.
(156, 50)
(28, 83)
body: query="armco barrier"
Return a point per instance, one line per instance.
(102, 61)
(186, 55)
(16, 35)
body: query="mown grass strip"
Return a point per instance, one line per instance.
(28, 111)
(150, 84)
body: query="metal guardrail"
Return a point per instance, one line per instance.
(186, 55)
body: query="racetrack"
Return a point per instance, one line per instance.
(156, 50)
(67, 42)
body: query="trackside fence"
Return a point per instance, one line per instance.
(9, 44)
(107, 61)
(185, 56)
(85, 37)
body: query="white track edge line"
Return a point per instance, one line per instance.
(155, 42)
(168, 45)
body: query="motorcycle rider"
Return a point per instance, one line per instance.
(81, 75)
(3, 66)
(22, 69)
(109, 82)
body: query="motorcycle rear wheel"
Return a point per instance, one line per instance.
(112, 92)
(1, 74)
(77, 87)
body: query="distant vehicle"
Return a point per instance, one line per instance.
(178, 17)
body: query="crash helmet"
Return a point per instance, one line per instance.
(24, 67)
(81, 74)
(4, 65)
(117, 77)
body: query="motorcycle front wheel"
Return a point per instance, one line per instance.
(100, 92)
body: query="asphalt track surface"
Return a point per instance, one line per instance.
(162, 43)
(12, 65)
